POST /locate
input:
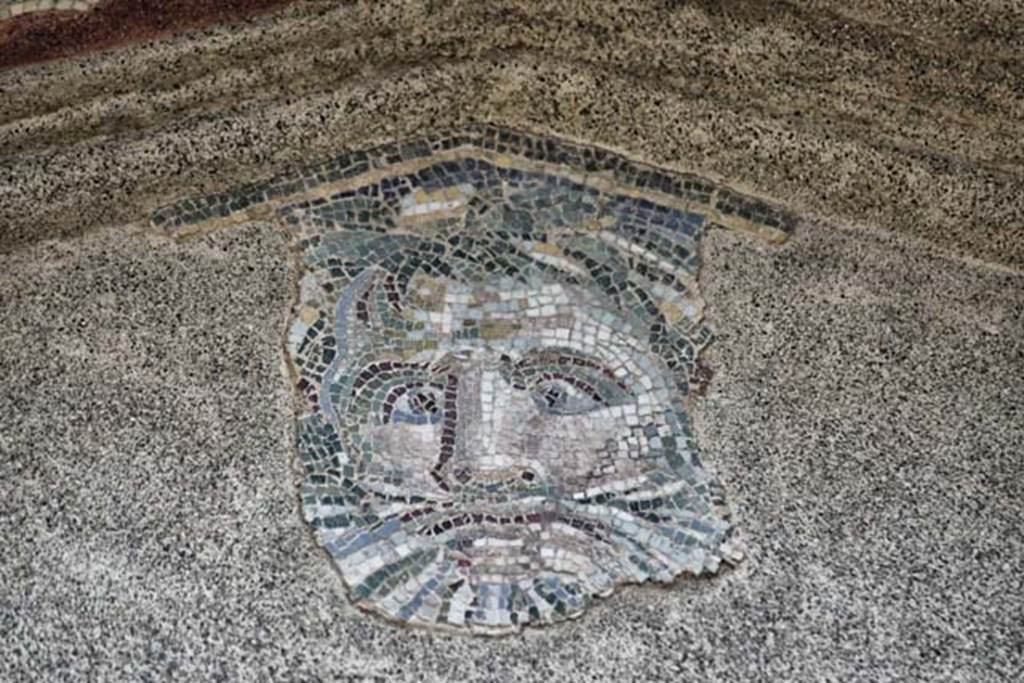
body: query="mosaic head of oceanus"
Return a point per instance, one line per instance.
(495, 347)
(498, 366)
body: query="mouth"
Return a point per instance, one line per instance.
(443, 525)
(467, 523)
(504, 480)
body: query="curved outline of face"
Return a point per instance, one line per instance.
(525, 449)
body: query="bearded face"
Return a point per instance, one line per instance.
(496, 425)
(494, 346)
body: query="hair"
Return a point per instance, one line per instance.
(629, 251)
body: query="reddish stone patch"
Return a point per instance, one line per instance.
(41, 36)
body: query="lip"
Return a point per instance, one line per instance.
(466, 521)
(519, 478)
(475, 519)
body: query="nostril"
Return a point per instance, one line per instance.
(490, 478)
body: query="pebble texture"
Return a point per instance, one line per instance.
(39, 30)
(866, 418)
(866, 414)
(906, 118)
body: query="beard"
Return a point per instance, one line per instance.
(496, 563)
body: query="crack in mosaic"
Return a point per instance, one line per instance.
(496, 346)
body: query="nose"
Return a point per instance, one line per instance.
(491, 418)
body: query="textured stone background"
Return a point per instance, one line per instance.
(866, 415)
(40, 31)
(907, 117)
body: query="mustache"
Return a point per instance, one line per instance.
(431, 522)
(448, 522)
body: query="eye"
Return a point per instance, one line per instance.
(413, 404)
(565, 396)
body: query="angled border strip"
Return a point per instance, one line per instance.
(595, 166)
(9, 10)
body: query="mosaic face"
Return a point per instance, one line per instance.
(495, 356)
(496, 376)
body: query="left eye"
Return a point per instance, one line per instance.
(562, 397)
(414, 405)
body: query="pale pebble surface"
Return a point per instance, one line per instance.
(866, 413)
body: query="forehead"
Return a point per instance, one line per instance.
(504, 299)
(510, 315)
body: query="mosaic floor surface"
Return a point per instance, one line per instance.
(496, 343)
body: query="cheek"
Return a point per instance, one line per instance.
(573, 446)
(405, 449)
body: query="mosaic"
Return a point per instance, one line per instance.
(14, 8)
(496, 346)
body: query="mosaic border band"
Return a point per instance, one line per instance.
(9, 10)
(686, 191)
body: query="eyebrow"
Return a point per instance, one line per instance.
(373, 370)
(566, 357)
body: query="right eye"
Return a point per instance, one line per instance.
(418, 405)
(560, 396)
